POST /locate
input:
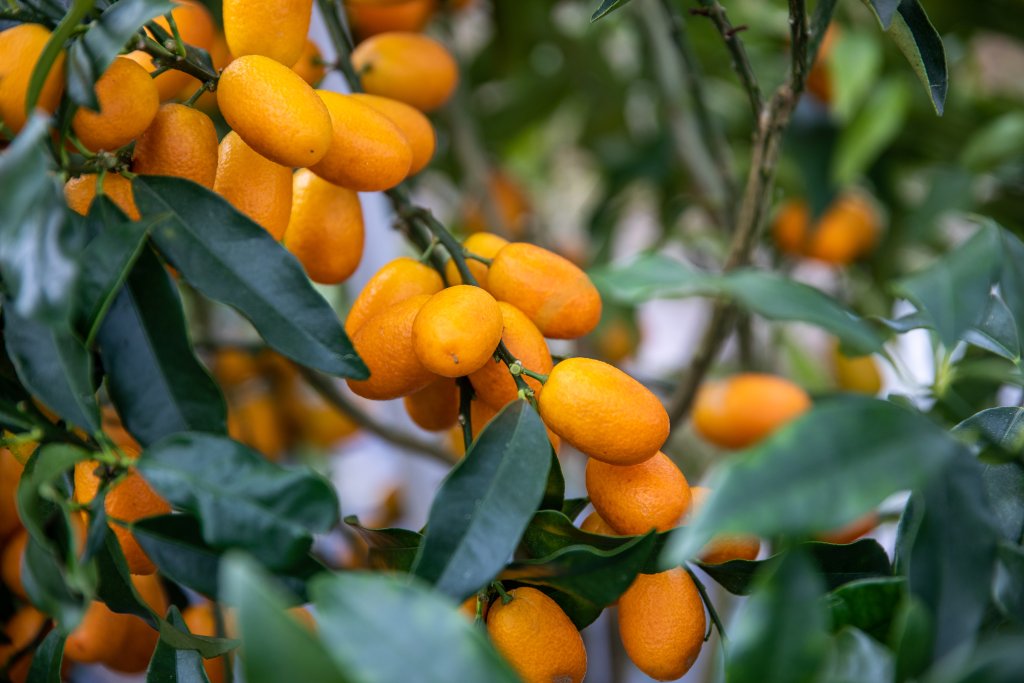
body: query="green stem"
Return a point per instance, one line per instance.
(179, 44)
(195, 96)
(711, 607)
(164, 57)
(535, 375)
(477, 257)
(341, 37)
(505, 597)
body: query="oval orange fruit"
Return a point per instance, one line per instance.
(397, 281)
(325, 229)
(741, 410)
(181, 141)
(408, 67)
(634, 499)
(457, 331)
(253, 184)
(385, 343)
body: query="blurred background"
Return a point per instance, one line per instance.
(581, 137)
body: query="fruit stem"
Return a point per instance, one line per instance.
(164, 57)
(465, 411)
(179, 44)
(481, 600)
(711, 608)
(505, 597)
(195, 96)
(477, 257)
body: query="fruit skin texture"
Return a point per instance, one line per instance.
(180, 142)
(603, 412)
(662, 623)
(435, 407)
(556, 295)
(325, 229)
(485, 244)
(457, 331)
(636, 498)
(79, 193)
(397, 281)
(385, 343)
(130, 500)
(367, 151)
(595, 524)
(10, 474)
(741, 410)
(537, 638)
(128, 103)
(414, 126)
(256, 186)
(310, 66)
(724, 547)
(408, 67)
(20, 48)
(268, 28)
(20, 630)
(276, 112)
(493, 382)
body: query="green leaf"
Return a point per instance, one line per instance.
(998, 142)
(911, 638)
(106, 262)
(1004, 490)
(38, 243)
(780, 635)
(388, 548)
(47, 659)
(954, 290)
(46, 583)
(241, 499)
(365, 619)
(572, 507)
(948, 553)
(607, 7)
(871, 131)
(996, 331)
(277, 647)
(838, 565)
(228, 257)
(153, 376)
(999, 660)
(921, 44)
(554, 490)
(868, 605)
(40, 480)
(821, 471)
(64, 30)
(175, 545)
(1002, 429)
(1011, 277)
(595, 577)
(170, 665)
(1008, 587)
(767, 294)
(884, 11)
(856, 658)
(90, 56)
(486, 503)
(853, 65)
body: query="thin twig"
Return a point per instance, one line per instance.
(740, 61)
(330, 393)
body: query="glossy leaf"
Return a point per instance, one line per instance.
(856, 658)
(922, 45)
(388, 548)
(607, 7)
(1004, 491)
(45, 582)
(1002, 429)
(1008, 587)
(868, 605)
(41, 477)
(592, 576)
(572, 507)
(818, 473)
(780, 636)
(277, 648)
(153, 376)
(171, 664)
(38, 245)
(175, 545)
(228, 257)
(838, 565)
(55, 367)
(65, 29)
(89, 57)
(365, 619)
(485, 504)
(996, 331)
(554, 490)
(884, 10)
(241, 499)
(948, 552)
(47, 659)
(954, 290)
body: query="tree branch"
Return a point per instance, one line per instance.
(740, 62)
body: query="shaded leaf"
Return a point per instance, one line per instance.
(47, 659)
(388, 548)
(485, 503)
(175, 545)
(856, 658)
(65, 29)
(868, 605)
(996, 331)
(1004, 490)
(170, 665)
(572, 507)
(871, 131)
(367, 618)
(922, 45)
(1000, 428)
(228, 257)
(1008, 588)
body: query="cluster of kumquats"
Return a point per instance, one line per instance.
(422, 333)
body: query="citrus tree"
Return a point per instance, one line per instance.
(175, 171)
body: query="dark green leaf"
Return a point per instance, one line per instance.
(838, 564)
(911, 638)
(996, 331)
(999, 660)
(54, 366)
(365, 619)
(868, 605)
(47, 658)
(554, 491)
(38, 245)
(1004, 490)
(277, 648)
(228, 257)
(589, 575)
(780, 636)
(857, 658)
(1011, 277)
(921, 44)
(954, 290)
(170, 665)
(388, 548)
(175, 544)
(949, 554)
(572, 507)
(153, 376)
(90, 56)
(1008, 589)
(40, 479)
(46, 584)
(818, 473)
(486, 502)
(1000, 428)
(607, 7)
(241, 498)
